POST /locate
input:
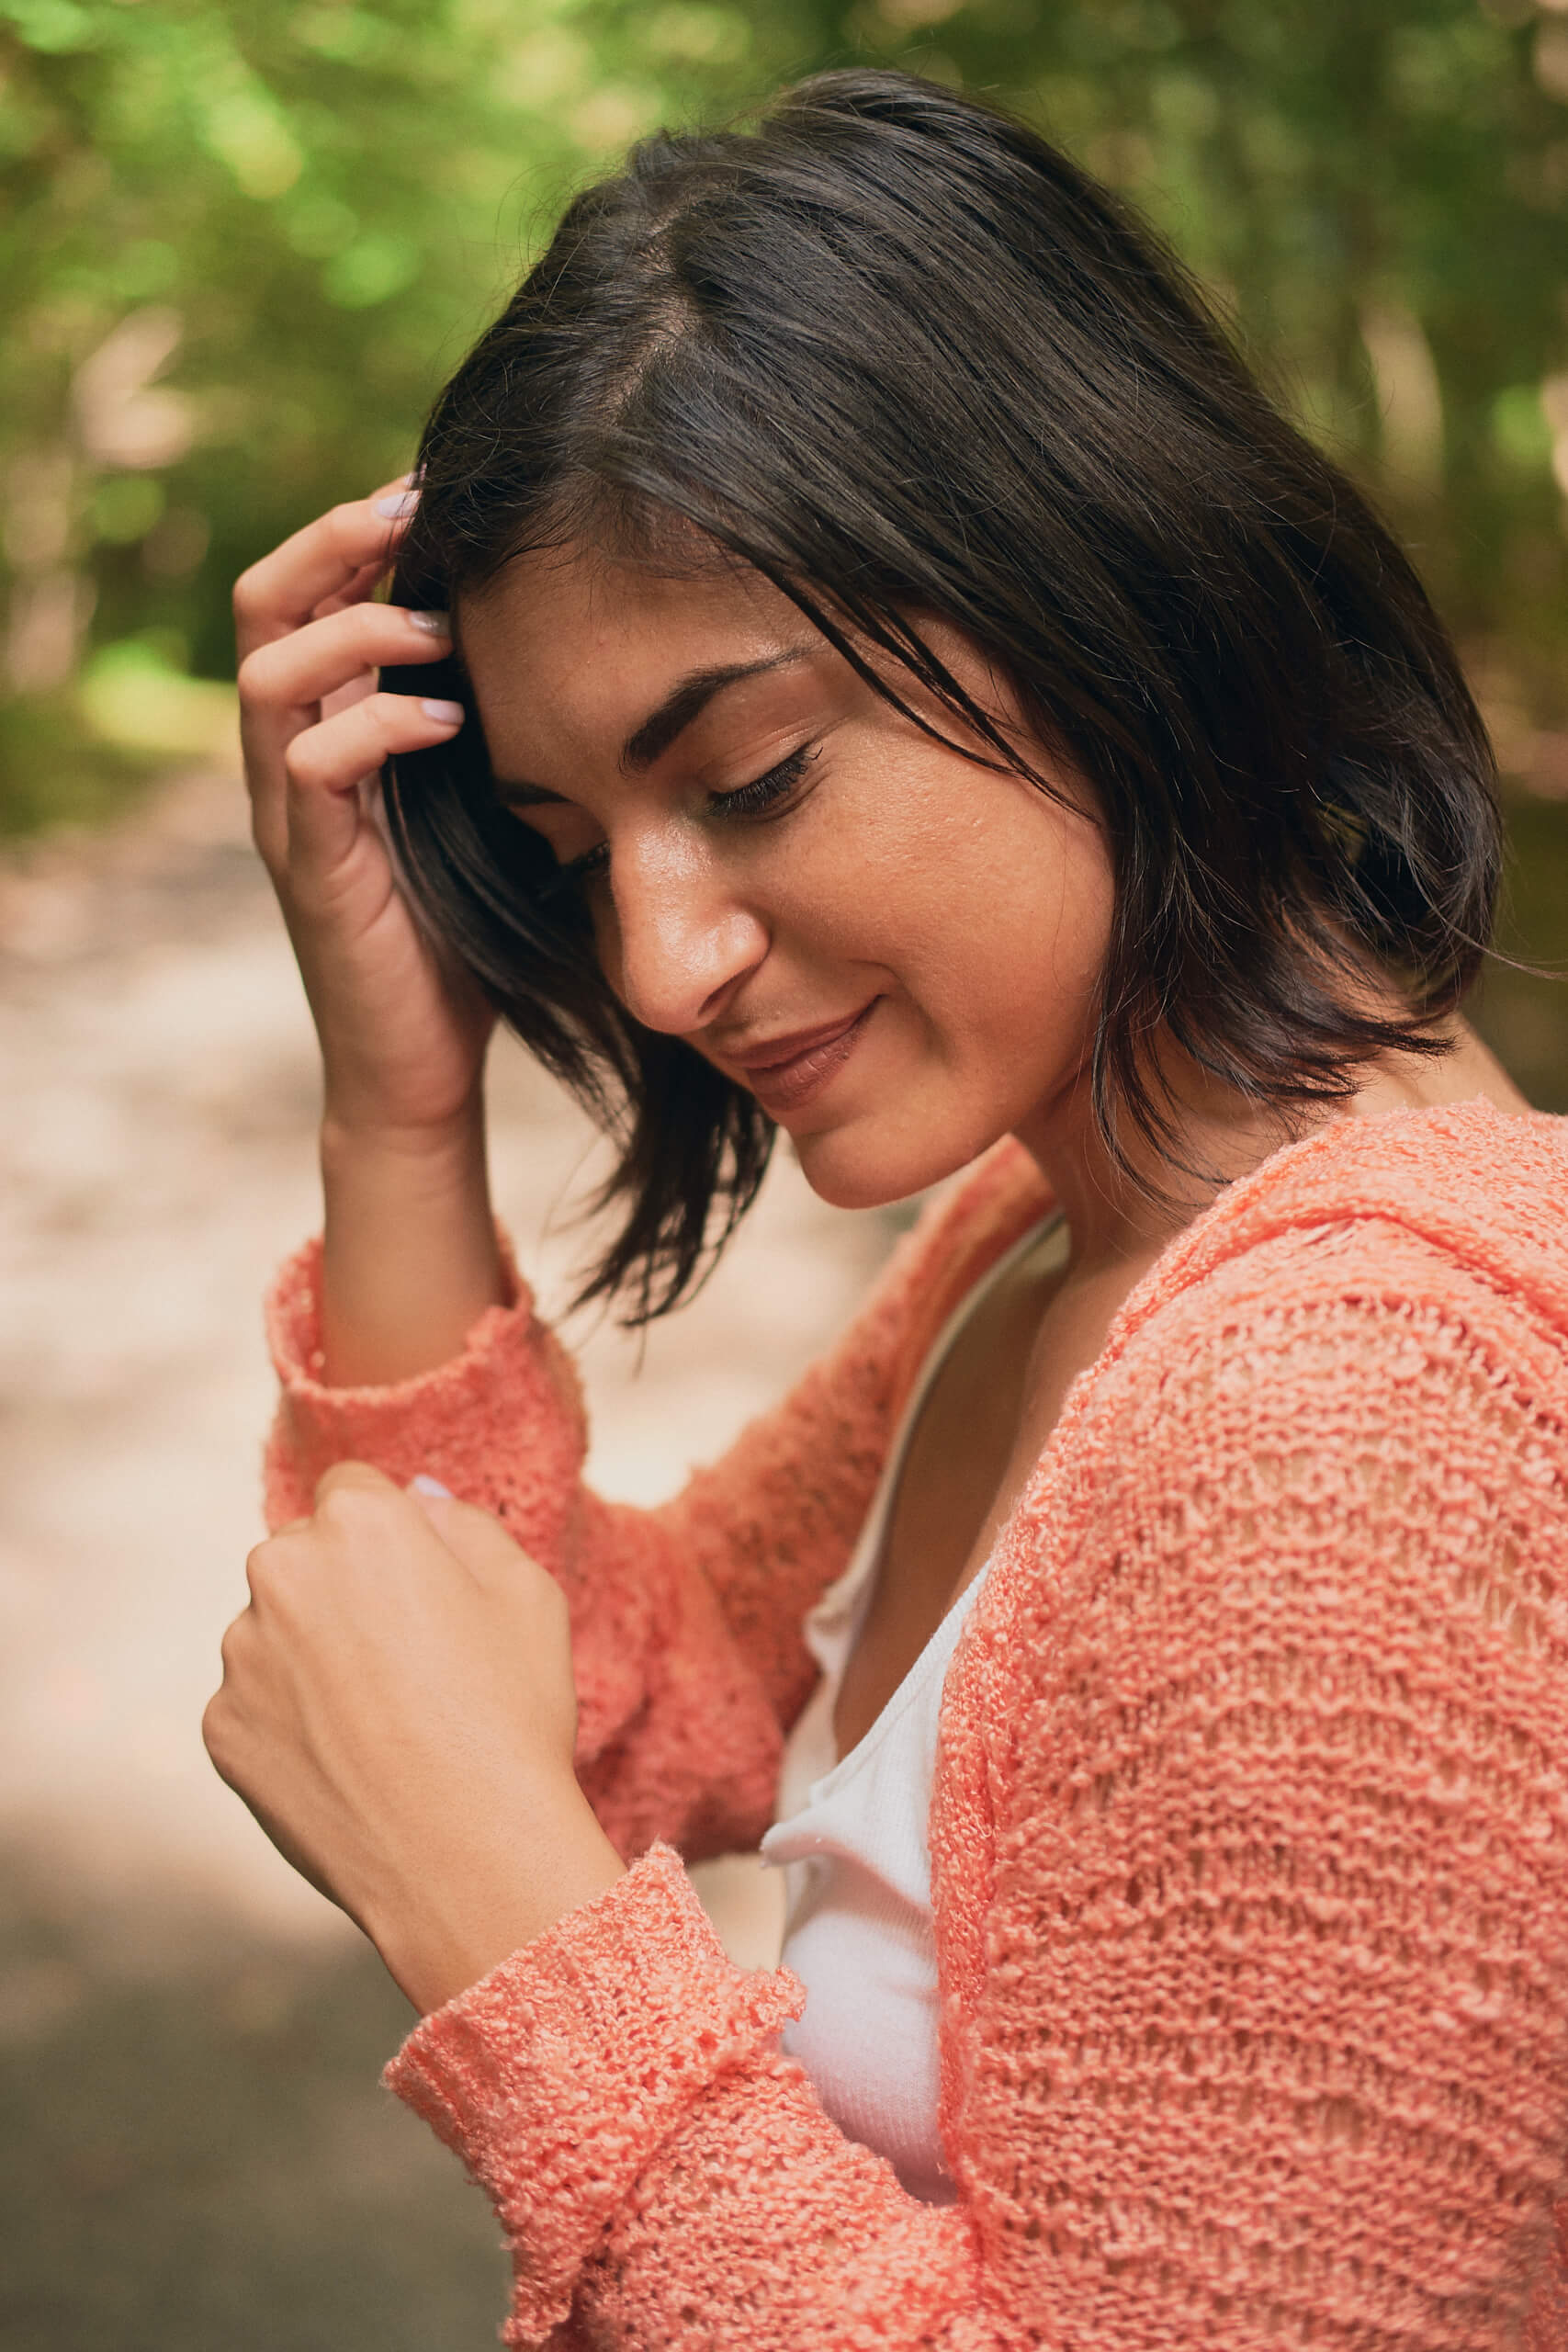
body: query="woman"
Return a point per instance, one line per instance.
(864, 659)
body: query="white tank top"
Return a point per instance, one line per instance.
(851, 1836)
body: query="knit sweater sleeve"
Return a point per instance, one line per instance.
(1251, 1874)
(686, 1620)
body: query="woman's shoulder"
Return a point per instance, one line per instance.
(1463, 1199)
(1459, 1209)
(1359, 1354)
(1406, 1276)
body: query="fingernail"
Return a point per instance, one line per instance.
(421, 1485)
(450, 713)
(433, 623)
(401, 502)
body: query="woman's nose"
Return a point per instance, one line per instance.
(681, 938)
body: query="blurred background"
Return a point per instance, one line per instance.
(240, 247)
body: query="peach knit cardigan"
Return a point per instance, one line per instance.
(1249, 1831)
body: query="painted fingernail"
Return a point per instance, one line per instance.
(421, 1485)
(450, 713)
(433, 623)
(401, 502)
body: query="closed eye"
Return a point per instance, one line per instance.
(764, 791)
(754, 799)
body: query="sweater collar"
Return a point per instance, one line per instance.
(1485, 1186)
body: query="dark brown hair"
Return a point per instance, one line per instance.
(893, 350)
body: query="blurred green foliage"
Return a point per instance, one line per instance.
(242, 244)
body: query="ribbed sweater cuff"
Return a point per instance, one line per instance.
(502, 1424)
(559, 2075)
(293, 1316)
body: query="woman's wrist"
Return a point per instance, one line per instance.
(464, 1915)
(411, 1258)
(349, 1134)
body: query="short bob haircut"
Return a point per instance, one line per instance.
(900, 355)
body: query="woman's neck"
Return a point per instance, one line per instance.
(1222, 1136)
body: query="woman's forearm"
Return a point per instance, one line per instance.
(409, 1257)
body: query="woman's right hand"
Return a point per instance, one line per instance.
(402, 1036)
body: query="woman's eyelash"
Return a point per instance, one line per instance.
(746, 801)
(582, 869)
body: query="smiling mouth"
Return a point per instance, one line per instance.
(804, 1067)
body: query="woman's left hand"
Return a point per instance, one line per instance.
(397, 1711)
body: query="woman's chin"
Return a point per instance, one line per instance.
(852, 1167)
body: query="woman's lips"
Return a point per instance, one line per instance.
(786, 1085)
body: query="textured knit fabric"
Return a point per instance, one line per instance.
(1249, 1830)
(851, 1838)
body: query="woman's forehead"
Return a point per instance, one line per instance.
(552, 610)
(569, 648)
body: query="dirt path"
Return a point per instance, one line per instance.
(156, 1160)
(194, 2146)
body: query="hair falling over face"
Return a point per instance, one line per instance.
(891, 353)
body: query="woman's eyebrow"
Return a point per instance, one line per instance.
(653, 737)
(683, 703)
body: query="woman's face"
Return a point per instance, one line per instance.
(894, 949)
